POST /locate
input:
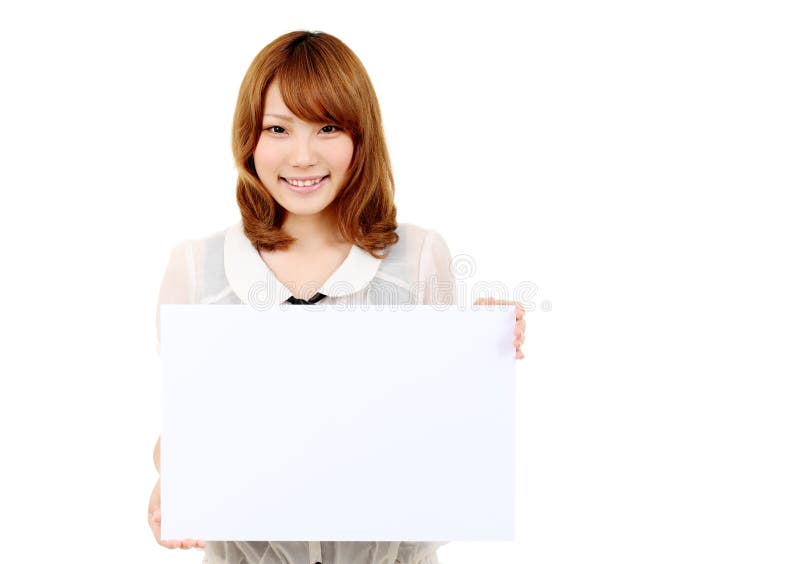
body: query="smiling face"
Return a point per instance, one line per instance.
(302, 164)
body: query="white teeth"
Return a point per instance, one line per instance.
(301, 183)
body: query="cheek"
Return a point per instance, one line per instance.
(265, 159)
(344, 154)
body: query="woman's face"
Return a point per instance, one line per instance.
(301, 164)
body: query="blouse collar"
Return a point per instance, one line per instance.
(255, 284)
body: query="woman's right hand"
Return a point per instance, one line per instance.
(154, 519)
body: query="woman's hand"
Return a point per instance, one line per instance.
(154, 519)
(519, 326)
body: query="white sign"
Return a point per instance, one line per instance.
(318, 423)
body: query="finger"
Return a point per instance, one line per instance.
(155, 526)
(494, 301)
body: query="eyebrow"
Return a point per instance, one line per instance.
(280, 116)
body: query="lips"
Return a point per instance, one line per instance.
(304, 185)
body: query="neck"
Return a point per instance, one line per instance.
(313, 232)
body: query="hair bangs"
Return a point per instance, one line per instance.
(312, 88)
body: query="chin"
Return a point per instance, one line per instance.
(305, 210)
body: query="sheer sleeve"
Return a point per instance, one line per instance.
(435, 276)
(178, 285)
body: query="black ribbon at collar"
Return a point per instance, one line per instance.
(314, 299)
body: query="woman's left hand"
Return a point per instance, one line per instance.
(519, 326)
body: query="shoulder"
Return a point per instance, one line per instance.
(195, 254)
(198, 265)
(415, 250)
(428, 264)
(416, 239)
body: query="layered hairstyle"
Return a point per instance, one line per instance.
(321, 80)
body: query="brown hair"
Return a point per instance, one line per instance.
(321, 80)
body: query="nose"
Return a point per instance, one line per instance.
(303, 151)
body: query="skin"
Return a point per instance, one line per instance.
(288, 148)
(154, 511)
(292, 148)
(519, 325)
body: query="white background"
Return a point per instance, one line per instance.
(635, 160)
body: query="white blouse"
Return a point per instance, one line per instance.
(226, 268)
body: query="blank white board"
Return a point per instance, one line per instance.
(323, 423)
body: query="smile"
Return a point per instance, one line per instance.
(304, 185)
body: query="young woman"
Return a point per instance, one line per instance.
(316, 195)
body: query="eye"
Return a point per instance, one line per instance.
(330, 129)
(275, 129)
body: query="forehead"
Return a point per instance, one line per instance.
(273, 100)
